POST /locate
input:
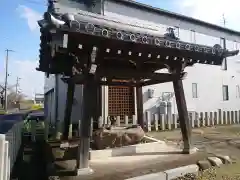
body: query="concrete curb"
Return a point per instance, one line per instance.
(225, 159)
(204, 165)
(181, 171)
(132, 149)
(185, 170)
(215, 161)
(169, 174)
(155, 146)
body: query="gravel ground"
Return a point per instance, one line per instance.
(225, 172)
(119, 172)
(224, 140)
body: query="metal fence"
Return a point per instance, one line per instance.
(10, 143)
(163, 122)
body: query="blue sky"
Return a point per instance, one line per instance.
(15, 32)
(164, 4)
(19, 32)
(17, 35)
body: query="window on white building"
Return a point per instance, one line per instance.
(236, 45)
(237, 91)
(194, 90)
(176, 31)
(224, 64)
(193, 36)
(225, 92)
(223, 44)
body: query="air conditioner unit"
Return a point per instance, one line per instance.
(150, 93)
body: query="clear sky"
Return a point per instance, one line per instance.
(19, 32)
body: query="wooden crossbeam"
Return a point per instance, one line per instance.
(158, 79)
(132, 74)
(152, 82)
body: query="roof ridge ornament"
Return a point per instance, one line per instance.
(52, 21)
(230, 53)
(171, 34)
(225, 53)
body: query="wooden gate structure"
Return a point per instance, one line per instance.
(121, 101)
(95, 51)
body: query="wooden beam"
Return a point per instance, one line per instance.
(130, 83)
(89, 110)
(183, 115)
(77, 79)
(152, 82)
(112, 83)
(131, 73)
(68, 109)
(103, 83)
(98, 107)
(139, 98)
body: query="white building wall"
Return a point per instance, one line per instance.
(132, 13)
(209, 78)
(50, 104)
(49, 98)
(49, 83)
(62, 96)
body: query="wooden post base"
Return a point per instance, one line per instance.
(83, 153)
(83, 172)
(189, 151)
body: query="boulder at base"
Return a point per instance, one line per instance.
(117, 137)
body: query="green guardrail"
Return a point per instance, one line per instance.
(39, 127)
(2, 112)
(36, 107)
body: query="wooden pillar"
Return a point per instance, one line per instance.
(139, 98)
(89, 113)
(183, 115)
(68, 109)
(98, 107)
(104, 101)
(56, 93)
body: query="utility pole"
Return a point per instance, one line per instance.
(224, 21)
(17, 85)
(6, 79)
